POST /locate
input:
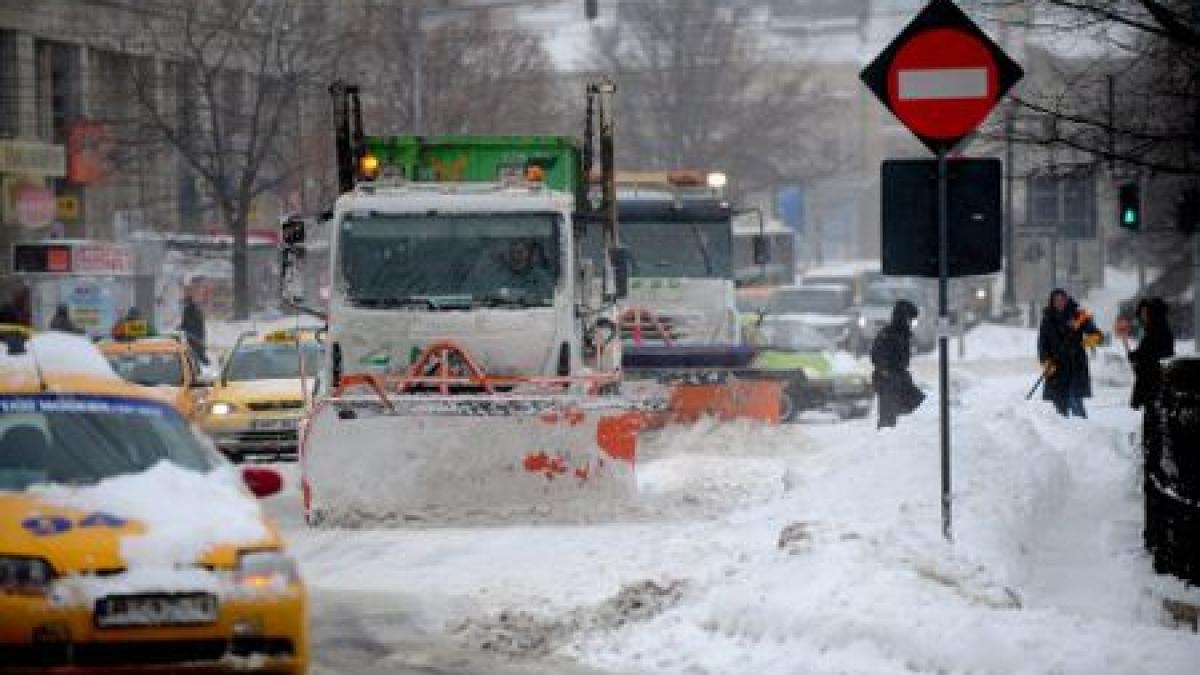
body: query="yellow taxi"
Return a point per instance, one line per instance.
(127, 543)
(163, 364)
(255, 406)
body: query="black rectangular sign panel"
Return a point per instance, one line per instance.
(909, 218)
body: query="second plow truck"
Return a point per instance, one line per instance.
(679, 321)
(472, 366)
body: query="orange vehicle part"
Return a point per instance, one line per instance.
(737, 399)
(734, 399)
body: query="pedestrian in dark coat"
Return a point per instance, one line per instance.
(1065, 331)
(191, 324)
(1157, 343)
(62, 320)
(890, 354)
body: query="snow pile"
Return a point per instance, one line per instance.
(520, 633)
(185, 514)
(1045, 575)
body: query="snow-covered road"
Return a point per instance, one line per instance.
(812, 548)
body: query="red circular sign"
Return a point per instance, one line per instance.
(942, 83)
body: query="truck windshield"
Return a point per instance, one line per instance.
(695, 250)
(450, 260)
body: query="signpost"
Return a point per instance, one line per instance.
(940, 77)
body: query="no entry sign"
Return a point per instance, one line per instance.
(941, 76)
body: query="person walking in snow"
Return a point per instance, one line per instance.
(1157, 343)
(1065, 331)
(890, 354)
(191, 324)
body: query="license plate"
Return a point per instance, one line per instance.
(164, 609)
(283, 424)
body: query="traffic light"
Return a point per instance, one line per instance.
(591, 9)
(1129, 200)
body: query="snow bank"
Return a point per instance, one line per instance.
(847, 572)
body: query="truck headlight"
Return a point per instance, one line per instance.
(264, 569)
(220, 408)
(19, 574)
(980, 293)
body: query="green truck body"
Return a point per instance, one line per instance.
(463, 158)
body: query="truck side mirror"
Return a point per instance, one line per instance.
(619, 255)
(762, 253)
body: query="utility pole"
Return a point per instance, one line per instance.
(1010, 294)
(418, 64)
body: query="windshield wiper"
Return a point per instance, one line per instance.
(433, 302)
(509, 301)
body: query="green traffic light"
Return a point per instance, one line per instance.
(1129, 217)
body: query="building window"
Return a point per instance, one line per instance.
(10, 86)
(58, 90)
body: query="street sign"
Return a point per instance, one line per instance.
(910, 211)
(941, 76)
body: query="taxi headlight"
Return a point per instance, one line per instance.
(20, 574)
(220, 408)
(264, 569)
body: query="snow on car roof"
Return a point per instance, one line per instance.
(65, 354)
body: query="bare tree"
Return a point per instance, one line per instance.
(225, 93)
(697, 90)
(1145, 52)
(426, 73)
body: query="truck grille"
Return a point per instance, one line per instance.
(290, 404)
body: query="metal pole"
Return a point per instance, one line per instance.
(1010, 293)
(943, 338)
(418, 66)
(1195, 287)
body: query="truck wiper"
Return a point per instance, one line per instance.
(509, 301)
(435, 303)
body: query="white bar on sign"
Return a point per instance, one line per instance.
(938, 83)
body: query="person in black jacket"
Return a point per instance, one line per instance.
(890, 354)
(191, 324)
(1157, 343)
(62, 320)
(1065, 331)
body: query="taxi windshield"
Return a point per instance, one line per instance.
(149, 369)
(273, 360)
(80, 440)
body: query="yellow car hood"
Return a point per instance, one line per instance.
(251, 391)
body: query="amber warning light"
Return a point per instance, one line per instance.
(368, 167)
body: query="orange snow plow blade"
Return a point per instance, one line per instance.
(389, 450)
(735, 399)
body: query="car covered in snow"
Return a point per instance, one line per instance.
(126, 541)
(256, 404)
(825, 308)
(164, 365)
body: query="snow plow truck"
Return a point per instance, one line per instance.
(472, 355)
